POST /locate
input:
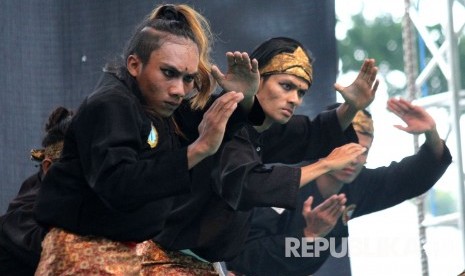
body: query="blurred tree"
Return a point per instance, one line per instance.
(440, 203)
(382, 39)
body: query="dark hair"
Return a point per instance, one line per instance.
(177, 20)
(274, 46)
(145, 41)
(56, 126)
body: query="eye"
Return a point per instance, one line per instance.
(286, 86)
(188, 78)
(168, 73)
(301, 93)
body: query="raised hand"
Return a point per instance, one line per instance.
(343, 156)
(242, 75)
(212, 127)
(417, 119)
(321, 220)
(362, 91)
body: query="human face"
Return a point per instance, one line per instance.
(168, 76)
(349, 173)
(279, 95)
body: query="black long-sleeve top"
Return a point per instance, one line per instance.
(373, 190)
(213, 221)
(20, 235)
(109, 181)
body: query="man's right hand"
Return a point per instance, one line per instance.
(322, 219)
(212, 127)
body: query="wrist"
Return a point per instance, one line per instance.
(196, 152)
(325, 164)
(309, 234)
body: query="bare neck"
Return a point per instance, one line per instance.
(328, 185)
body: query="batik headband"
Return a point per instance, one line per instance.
(53, 152)
(296, 63)
(363, 124)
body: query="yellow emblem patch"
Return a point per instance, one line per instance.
(152, 140)
(347, 214)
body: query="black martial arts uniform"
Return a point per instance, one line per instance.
(373, 190)
(213, 221)
(20, 234)
(110, 181)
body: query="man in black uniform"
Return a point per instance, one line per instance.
(20, 234)
(275, 244)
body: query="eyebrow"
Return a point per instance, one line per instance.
(176, 70)
(298, 88)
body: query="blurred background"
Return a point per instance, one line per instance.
(52, 53)
(412, 43)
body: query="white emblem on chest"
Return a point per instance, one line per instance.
(152, 140)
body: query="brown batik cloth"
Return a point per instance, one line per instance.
(64, 253)
(159, 262)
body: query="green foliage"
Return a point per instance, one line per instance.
(440, 203)
(382, 39)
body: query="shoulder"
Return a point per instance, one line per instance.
(115, 100)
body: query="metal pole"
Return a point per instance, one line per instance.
(411, 70)
(454, 87)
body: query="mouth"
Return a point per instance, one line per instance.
(172, 105)
(348, 171)
(288, 112)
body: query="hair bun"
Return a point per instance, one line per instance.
(56, 117)
(169, 12)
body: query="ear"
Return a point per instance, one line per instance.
(46, 163)
(134, 65)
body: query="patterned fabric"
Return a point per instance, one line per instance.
(159, 262)
(64, 253)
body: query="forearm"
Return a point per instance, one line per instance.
(195, 154)
(345, 115)
(434, 143)
(313, 171)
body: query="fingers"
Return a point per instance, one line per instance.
(401, 127)
(353, 148)
(333, 206)
(399, 107)
(344, 156)
(369, 71)
(239, 58)
(254, 66)
(216, 73)
(347, 152)
(333, 201)
(307, 207)
(339, 88)
(375, 86)
(230, 58)
(373, 73)
(225, 105)
(366, 68)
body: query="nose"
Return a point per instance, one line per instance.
(294, 98)
(177, 89)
